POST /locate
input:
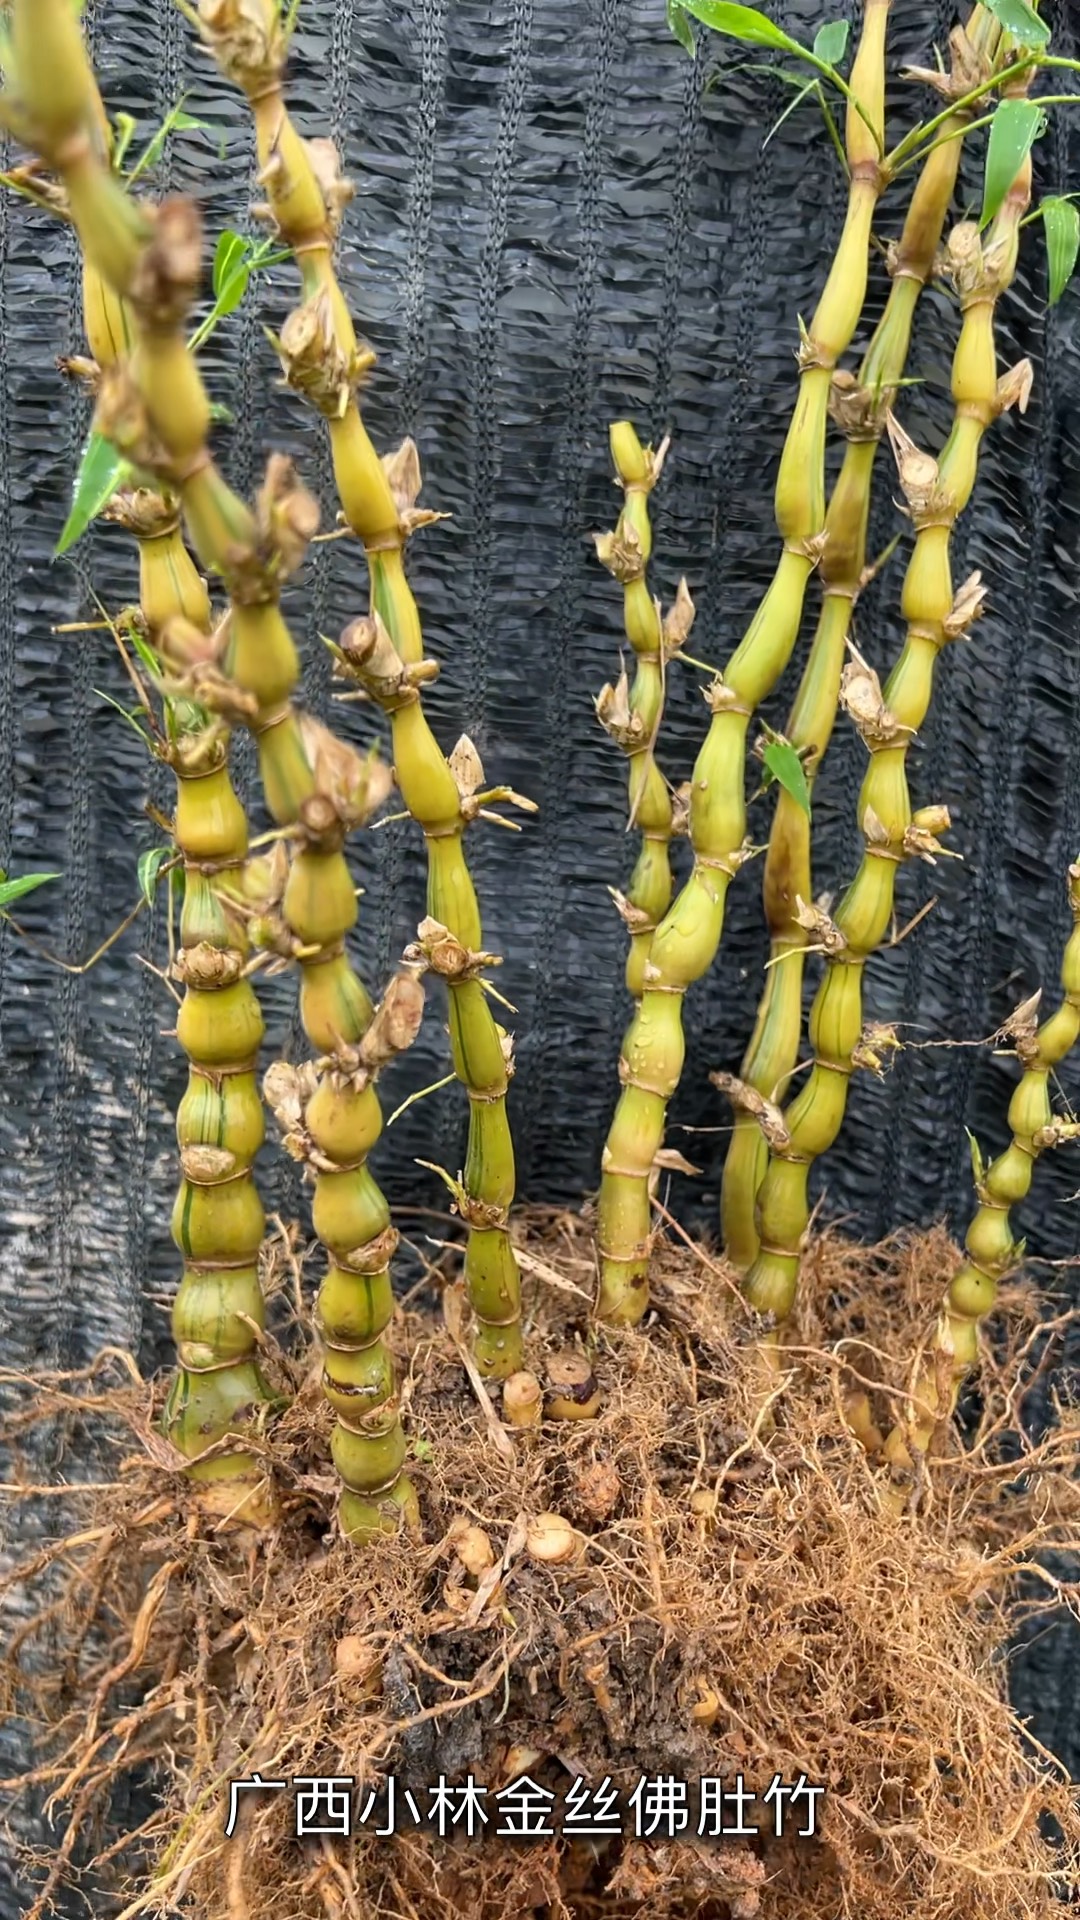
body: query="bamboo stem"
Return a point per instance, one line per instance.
(218, 1312)
(321, 358)
(991, 1251)
(936, 493)
(631, 715)
(859, 407)
(218, 1220)
(154, 408)
(685, 943)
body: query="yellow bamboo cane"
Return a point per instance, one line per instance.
(631, 714)
(155, 410)
(991, 1253)
(859, 408)
(936, 492)
(322, 360)
(685, 943)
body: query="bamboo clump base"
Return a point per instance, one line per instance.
(729, 1594)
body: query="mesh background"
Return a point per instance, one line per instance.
(559, 221)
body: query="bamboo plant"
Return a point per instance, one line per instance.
(859, 408)
(154, 408)
(686, 941)
(218, 1221)
(991, 1253)
(631, 714)
(322, 360)
(936, 492)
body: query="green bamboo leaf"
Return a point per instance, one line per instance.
(125, 129)
(101, 473)
(231, 251)
(1015, 127)
(127, 714)
(783, 765)
(680, 27)
(150, 865)
(233, 290)
(830, 41)
(1062, 222)
(12, 890)
(741, 23)
(1021, 21)
(175, 121)
(978, 1164)
(805, 87)
(145, 651)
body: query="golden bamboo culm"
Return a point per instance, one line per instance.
(936, 492)
(991, 1253)
(859, 408)
(631, 713)
(685, 943)
(322, 359)
(218, 1221)
(154, 408)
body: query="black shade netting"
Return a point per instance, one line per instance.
(560, 220)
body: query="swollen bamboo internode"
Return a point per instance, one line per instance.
(685, 943)
(322, 359)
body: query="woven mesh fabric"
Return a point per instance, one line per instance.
(558, 222)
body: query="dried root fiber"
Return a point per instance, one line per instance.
(674, 1579)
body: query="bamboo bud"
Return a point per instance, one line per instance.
(472, 1547)
(572, 1390)
(522, 1401)
(552, 1541)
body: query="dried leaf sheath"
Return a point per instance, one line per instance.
(322, 360)
(936, 493)
(687, 939)
(858, 408)
(631, 715)
(155, 410)
(990, 1250)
